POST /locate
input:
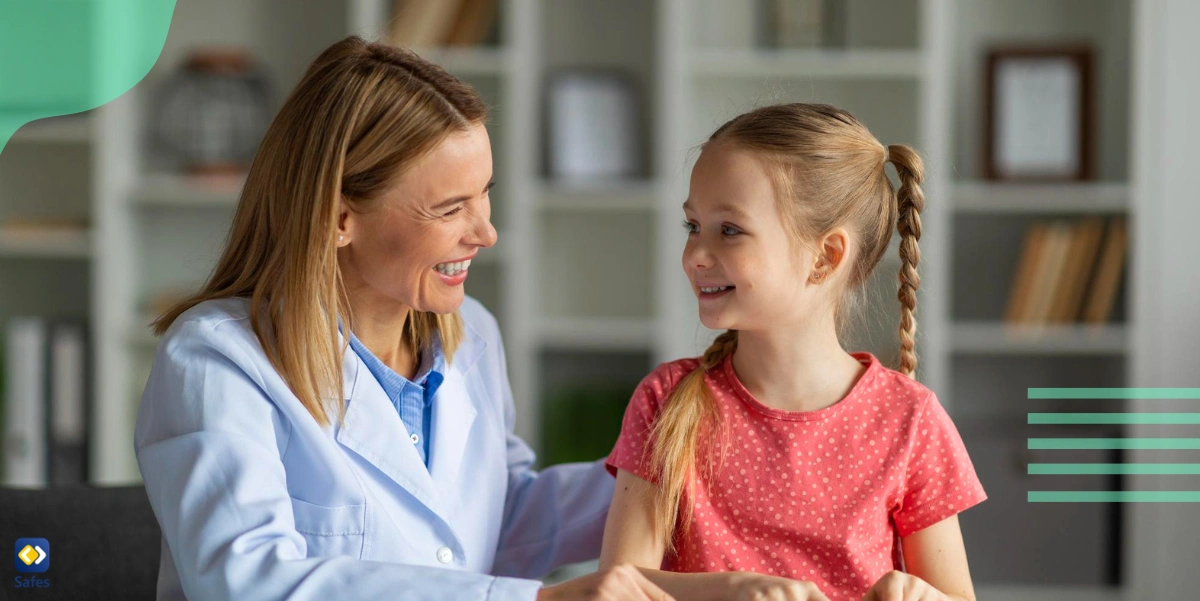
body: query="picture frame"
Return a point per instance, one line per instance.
(1039, 107)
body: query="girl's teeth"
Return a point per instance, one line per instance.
(453, 268)
(708, 290)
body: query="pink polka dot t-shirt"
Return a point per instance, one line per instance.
(816, 495)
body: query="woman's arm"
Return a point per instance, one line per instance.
(934, 557)
(208, 444)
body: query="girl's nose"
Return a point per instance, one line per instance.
(696, 256)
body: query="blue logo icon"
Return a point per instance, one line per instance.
(32, 555)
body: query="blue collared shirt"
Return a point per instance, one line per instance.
(412, 399)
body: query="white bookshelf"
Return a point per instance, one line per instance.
(70, 129)
(989, 338)
(1032, 199)
(590, 272)
(827, 64)
(72, 245)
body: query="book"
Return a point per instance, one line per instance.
(25, 444)
(1023, 278)
(422, 23)
(46, 393)
(1080, 263)
(67, 391)
(473, 23)
(1103, 293)
(1046, 279)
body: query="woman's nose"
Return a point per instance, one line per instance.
(484, 233)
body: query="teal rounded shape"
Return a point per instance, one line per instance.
(60, 57)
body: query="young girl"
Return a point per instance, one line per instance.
(806, 471)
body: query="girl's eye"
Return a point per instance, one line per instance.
(729, 230)
(690, 227)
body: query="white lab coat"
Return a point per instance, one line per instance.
(257, 502)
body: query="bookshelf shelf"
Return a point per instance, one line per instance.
(830, 64)
(165, 189)
(620, 196)
(70, 129)
(998, 338)
(597, 333)
(471, 61)
(1079, 198)
(75, 245)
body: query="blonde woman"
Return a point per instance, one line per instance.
(329, 416)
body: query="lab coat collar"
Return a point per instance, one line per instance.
(373, 429)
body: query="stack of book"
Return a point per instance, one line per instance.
(45, 375)
(1068, 272)
(428, 23)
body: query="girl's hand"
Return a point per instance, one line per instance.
(898, 586)
(760, 587)
(618, 583)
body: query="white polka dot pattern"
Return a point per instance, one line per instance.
(817, 495)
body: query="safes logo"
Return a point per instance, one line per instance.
(33, 555)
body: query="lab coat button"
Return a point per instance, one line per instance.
(444, 555)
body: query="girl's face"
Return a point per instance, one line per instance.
(413, 249)
(741, 260)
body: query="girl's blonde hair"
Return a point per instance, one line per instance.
(828, 171)
(362, 113)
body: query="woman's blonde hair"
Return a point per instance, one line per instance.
(360, 115)
(828, 171)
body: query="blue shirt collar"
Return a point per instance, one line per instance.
(429, 376)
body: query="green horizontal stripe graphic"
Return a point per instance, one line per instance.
(1115, 443)
(1116, 418)
(1081, 469)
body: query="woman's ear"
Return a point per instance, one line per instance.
(344, 225)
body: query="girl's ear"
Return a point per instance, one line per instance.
(831, 252)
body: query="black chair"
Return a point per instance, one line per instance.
(104, 542)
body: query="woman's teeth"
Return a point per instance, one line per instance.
(708, 290)
(453, 269)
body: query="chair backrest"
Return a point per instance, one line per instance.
(104, 542)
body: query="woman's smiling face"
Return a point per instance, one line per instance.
(412, 250)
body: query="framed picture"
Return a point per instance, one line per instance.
(1039, 114)
(595, 126)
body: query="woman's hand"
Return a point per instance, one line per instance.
(760, 587)
(618, 583)
(898, 586)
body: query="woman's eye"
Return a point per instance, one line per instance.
(690, 227)
(455, 211)
(729, 230)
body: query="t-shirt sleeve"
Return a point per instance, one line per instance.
(634, 447)
(939, 480)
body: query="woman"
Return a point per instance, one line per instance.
(330, 415)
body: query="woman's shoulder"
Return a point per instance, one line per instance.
(220, 326)
(223, 315)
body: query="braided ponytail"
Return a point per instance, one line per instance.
(910, 201)
(689, 413)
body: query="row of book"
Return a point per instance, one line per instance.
(45, 404)
(1068, 271)
(431, 23)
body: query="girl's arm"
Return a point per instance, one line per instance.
(934, 557)
(631, 538)
(938, 556)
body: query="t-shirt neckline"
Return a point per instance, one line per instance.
(873, 366)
